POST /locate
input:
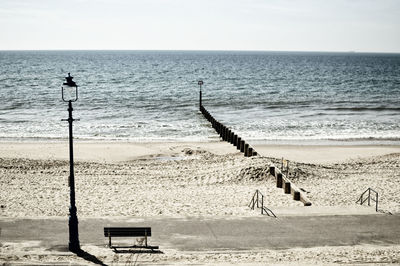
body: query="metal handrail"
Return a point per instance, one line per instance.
(285, 163)
(369, 198)
(255, 200)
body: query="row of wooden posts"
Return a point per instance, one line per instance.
(228, 134)
(283, 181)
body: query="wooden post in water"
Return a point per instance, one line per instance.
(223, 133)
(200, 104)
(200, 82)
(242, 145)
(246, 150)
(239, 140)
(249, 152)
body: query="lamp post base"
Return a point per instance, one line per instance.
(73, 232)
(74, 248)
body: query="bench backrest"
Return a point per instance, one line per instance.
(127, 231)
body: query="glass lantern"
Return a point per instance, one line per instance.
(69, 90)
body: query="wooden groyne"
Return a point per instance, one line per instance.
(227, 134)
(282, 181)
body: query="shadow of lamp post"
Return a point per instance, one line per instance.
(69, 92)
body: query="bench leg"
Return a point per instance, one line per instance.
(109, 240)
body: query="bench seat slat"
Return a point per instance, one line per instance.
(127, 231)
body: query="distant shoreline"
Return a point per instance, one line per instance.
(209, 51)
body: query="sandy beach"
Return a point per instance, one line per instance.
(181, 180)
(121, 175)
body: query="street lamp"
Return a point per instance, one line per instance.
(200, 82)
(69, 92)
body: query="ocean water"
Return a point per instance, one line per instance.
(272, 97)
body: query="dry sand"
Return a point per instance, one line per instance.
(193, 179)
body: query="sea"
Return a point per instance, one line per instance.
(152, 96)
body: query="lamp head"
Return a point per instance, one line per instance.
(69, 90)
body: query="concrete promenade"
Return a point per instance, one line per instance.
(217, 233)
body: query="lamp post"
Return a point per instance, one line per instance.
(200, 82)
(69, 92)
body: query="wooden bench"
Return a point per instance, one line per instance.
(129, 232)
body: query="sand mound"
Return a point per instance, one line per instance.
(255, 173)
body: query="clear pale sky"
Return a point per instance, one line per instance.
(284, 25)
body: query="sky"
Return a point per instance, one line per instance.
(268, 25)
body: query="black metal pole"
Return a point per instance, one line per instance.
(200, 100)
(73, 218)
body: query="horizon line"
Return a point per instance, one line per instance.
(205, 50)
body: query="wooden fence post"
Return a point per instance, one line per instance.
(272, 170)
(287, 188)
(296, 195)
(279, 180)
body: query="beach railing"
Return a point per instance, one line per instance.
(258, 201)
(366, 196)
(227, 134)
(285, 166)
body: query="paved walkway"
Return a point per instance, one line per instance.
(218, 233)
